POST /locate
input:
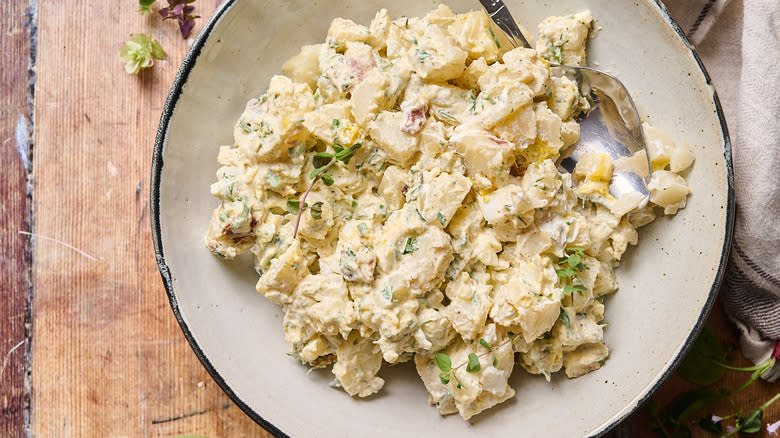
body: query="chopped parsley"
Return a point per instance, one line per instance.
(387, 293)
(564, 317)
(447, 116)
(421, 55)
(495, 39)
(409, 246)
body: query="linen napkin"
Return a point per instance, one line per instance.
(739, 43)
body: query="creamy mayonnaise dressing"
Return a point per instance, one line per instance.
(450, 231)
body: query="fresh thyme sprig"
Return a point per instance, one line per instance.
(573, 259)
(472, 364)
(321, 162)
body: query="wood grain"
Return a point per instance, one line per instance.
(108, 356)
(15, 118)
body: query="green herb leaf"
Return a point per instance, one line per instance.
(327, 179)
(443, 362)
(362, 229)
(495, 361)
(294, 206)
(145, 6)
(444, 378)
(321, 159)
(272, 178)
(689, 402)
(387, 293)
(316, 210)
(565, 273)
(245, 126)
(706, 423)
(335, 123)
(495, 40)
(556, 52)
(447, 116)
(157, 50)
(564, 317)
(409, 246)
(345, 155)
(473, 365)
(700, 366)
(421, 55)
(574, 288)
(139, 52)
(484, 343)
(277, 211)
(751, 423)
(441, 218)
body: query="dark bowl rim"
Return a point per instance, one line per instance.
(156, 174)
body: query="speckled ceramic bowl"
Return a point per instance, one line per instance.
(667, 284)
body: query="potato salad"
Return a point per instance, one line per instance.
(397, 187)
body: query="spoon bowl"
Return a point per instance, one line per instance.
(612, 125)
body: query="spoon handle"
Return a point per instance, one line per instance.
(498, 11)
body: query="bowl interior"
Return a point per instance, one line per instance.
(667, 283)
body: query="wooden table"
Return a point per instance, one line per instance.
(89, 345)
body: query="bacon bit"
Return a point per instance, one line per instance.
(359, 68)
(404, 189)
(415, 118)
(328, 359)
(497, 140)
(516, 170)
(235, 237)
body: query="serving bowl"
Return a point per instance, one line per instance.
(667, 284)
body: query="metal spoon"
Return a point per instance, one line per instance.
(612, 126)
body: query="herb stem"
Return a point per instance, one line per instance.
(758, 370)
(487, 352)
(744, 385)
(150, 23)
(771, 400)
(664, 432)
(769, 363)
(306, 194)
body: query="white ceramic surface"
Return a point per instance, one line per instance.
(667, 284)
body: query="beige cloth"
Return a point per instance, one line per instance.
(739, 44)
